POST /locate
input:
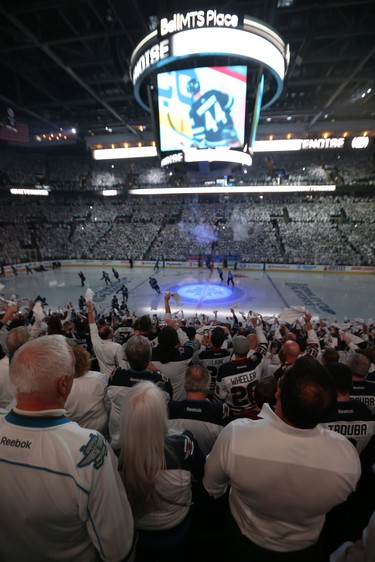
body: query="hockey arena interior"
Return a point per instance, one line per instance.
(187, 205)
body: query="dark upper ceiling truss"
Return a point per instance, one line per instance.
(64, 63)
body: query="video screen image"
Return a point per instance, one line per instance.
(202, 107)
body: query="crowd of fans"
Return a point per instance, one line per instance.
(274, 230)
(127, 437)
(187, 409)
(72, 171)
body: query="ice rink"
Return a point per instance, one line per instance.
(326, 295)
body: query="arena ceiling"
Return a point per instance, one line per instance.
(65, 63)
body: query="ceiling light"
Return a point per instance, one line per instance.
(285, 3)
(153, 23)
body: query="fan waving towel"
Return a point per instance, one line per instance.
(292, 314)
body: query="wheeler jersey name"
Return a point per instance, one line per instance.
(243, 378)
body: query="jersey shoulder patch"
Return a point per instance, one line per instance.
(94, 452)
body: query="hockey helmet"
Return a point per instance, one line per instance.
(193, 86)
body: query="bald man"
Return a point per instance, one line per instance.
(291, 349)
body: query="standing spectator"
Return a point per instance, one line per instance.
(63, 478)
(88, 403)
(263, 393)
(362, 389)
(82, 333)
(157, 469)
(291, 349)
(191, 333)
(109, 354)
(82, 303)
(202, 417)
(138, 355)
(143, 326)
(6, 391)
(329, 355)
(17, 337)
(299, 471)
(272, 360)
(54, 325)
(355, 421)
(349, 417)
(213, 355)
(173, 353)
(237, 378)
(172, 359)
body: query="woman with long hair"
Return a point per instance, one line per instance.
(157, 467)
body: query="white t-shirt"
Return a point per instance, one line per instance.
(283, 479)
(88, 403)
(109, 354)
(6, 391)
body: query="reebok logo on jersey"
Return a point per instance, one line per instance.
(15, 443)
(94, 452)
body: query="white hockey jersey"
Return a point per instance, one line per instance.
(62, 497)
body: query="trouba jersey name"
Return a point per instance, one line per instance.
(365, 392)
(354, 420)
